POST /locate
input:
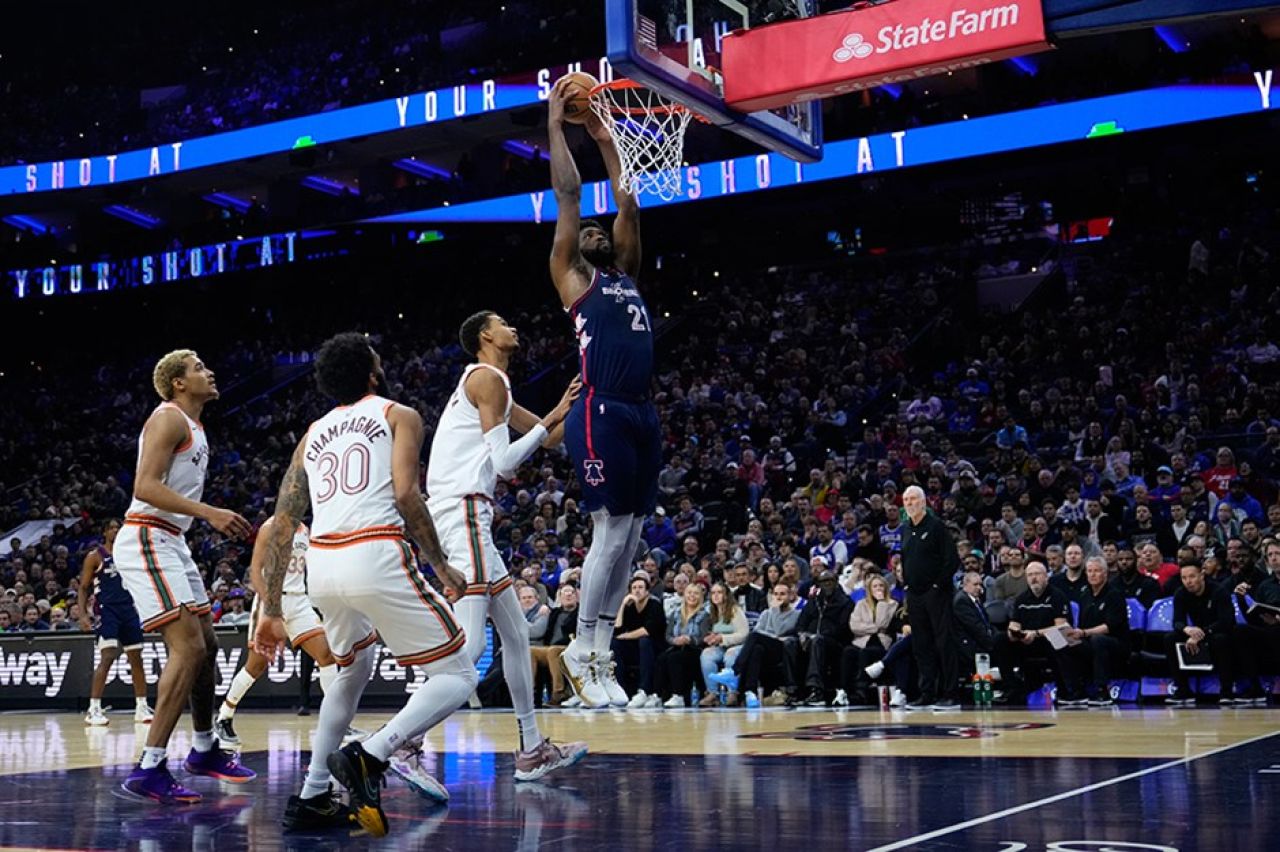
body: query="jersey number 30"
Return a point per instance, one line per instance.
(351, 472)
(639, 317)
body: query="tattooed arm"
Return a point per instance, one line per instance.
(291, 505)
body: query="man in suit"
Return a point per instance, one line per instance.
(970, 625)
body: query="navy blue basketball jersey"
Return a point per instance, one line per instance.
(107, 587)
(615, 337)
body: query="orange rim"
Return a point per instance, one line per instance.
(623, 84)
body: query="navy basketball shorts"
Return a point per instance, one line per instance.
(119, 627)
(616, 448)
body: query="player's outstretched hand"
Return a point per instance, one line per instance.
(228, 522)
(270, 636)
(566, 401)
(556, 100)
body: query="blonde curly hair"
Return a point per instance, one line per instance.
(171, 366)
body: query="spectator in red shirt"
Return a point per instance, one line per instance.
(1151, 562)
(751, 473)
(1218, 478)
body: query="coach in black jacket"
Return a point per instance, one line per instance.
(929, 561)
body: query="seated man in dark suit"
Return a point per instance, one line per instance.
(970, 625)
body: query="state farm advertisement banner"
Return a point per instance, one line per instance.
(850, 51)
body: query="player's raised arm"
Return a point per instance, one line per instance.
(406, 450)
(165, 431)
(523, 420)
(569, 271)
(626, 226)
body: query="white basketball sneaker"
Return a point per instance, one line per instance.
(583, 673)
(142, 713)
(96, 718)
(609, 680)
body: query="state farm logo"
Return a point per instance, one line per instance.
(854, 46)
(960, 25)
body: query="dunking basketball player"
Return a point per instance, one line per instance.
(118, 627)
(357, 470)
(612, 431)
(168, 591)
(470, 450)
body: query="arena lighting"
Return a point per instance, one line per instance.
(133, 216)
(26, 223)
(1049, 125)
(328, 186)
(421, 169)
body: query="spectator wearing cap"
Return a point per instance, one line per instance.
(823, 631)
(660, 534)
(929, 560)
(1242, 503)
(1166, 491)
(234, 613)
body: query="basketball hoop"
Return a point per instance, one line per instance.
(648, 131)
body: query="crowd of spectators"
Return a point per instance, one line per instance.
(1115, 435)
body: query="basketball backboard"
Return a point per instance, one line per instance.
(673, 46)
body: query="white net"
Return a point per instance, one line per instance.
(648, 131)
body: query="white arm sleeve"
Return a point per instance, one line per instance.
(508, 456)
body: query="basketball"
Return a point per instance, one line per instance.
(578, 107)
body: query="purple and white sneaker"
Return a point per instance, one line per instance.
(218, 763)
(158, 785)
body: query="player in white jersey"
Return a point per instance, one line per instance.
(301, 623)
(470, 450)
(357, 470)
(157, 570)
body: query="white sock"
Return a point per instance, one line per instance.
(151, 757)
(336, 712)
(140, 702)
(239, 686)
(202, 741)
(95, 705)
(513, 629)
(327, 674)
(448, 684)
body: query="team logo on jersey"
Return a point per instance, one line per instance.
(831, 733)
(593, 471)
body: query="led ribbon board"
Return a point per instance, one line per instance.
(1134, 111)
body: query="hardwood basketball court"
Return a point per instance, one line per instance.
(730, 779)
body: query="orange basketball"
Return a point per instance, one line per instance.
(578, 107)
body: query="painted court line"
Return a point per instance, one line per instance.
(1079, 791)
